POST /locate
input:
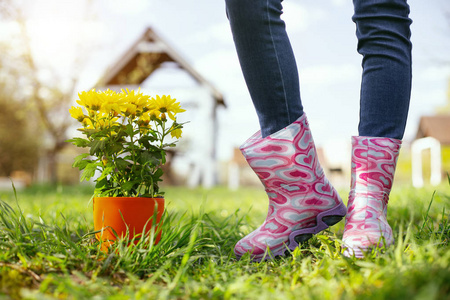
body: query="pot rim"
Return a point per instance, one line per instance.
(158, 199)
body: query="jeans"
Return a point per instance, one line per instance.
(270, 71)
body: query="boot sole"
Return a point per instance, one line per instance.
(359, 252)
(324, 220)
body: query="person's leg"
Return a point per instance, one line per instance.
(267, 61)
(383, 32)
(301, 200)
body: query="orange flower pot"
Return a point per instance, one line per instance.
(122, 213)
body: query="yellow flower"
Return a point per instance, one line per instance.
(176, 133)
(144, 128)
(144, 119)
(129, 109)
(153, 114)
(111, 102)
(91, 100)
(105, 121)
(87, 123)
(77, 113)
(137, 98)
(144, 123)
(165, 104)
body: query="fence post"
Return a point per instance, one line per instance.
(417, 147)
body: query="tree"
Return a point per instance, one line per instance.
(39, 87)
(16, 153)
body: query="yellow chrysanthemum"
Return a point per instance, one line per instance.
(77, 113)
(111, 102)
(129, 109)
(176, 133)
(144, 123)
(105, 120)
(87, 123)
(153, 114)
(166, 104)
(144, 118)
(140, 100)
(91, 100)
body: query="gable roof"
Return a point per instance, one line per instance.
(437, 126)
(145, 56)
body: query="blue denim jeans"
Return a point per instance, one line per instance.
(270, 71)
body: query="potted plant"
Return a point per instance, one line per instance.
(126, 134)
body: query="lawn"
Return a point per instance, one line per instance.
(47, 251)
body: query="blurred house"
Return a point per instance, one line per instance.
(437, 126)
(151, 53)
(433, 134)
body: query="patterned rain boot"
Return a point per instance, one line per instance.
(301, 200)
(373, 166)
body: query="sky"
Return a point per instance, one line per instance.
(322, 35)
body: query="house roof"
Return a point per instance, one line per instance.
(146, 55)
(437, 126)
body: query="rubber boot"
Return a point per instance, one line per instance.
(373, 167)
(301, 200)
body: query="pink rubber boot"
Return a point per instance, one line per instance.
(373, 166)
(301, 200)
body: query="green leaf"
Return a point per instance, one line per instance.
(150, 158)
(163, 157)
(158, 174)
(101, 183)
(146, 139)
(153, 148)
(80, 161)
(82, 164)
(89, 171)
(120, 133)
(170, 145)
(79, 142)
(97, 146)
(122, 163)
(129, 130)
(145, 143)
(114, 148)
(130, 185)
(88, 132)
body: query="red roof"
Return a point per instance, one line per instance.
(437, 126)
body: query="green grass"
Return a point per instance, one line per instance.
(47, 251)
